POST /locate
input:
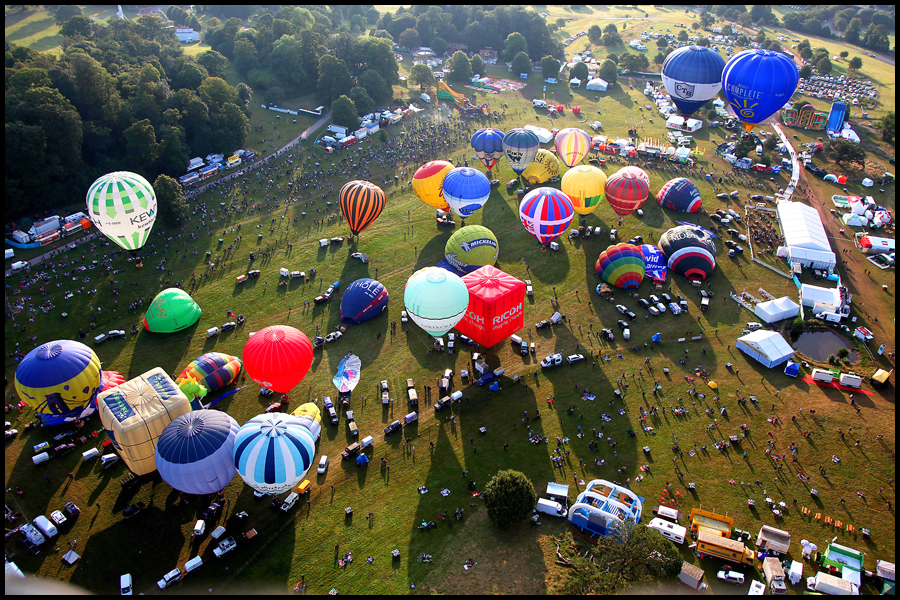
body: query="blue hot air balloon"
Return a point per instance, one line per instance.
(758, 83)
(273, 452)
(466, 190)
(692, 76)
(364, 299)
(520, 147)
(194, 452)
(488, 146)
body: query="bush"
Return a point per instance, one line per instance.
(832, 359)
(509, 498)
(843, 353)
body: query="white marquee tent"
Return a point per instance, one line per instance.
(544, 134)
(804, 236)
(777, 310)
(767, 347)
(597, 85)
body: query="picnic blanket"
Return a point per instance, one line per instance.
(445, 492)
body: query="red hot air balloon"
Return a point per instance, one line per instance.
(495, 306)
(278, 357)
(626, 191)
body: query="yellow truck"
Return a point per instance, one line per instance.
(710, 522)
(734, 551)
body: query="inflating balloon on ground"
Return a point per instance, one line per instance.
(466, 190)
(361, 202)
(488, 146)
(435, 299)
(544, 166)
(572, 145)
(546, 213)
(495, 309)
(364, 299)
(273, 452)
(172, 310)
(585, 186)
(621, 265)
(520, 147)
(690, 251)
(428, 183)
(692, 75)
(679, 194)
(278, 357)
(195, 452)
(471, 247)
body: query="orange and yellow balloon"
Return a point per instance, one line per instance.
(428, 183)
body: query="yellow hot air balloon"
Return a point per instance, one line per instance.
(585, 185)
(544, 166)
(428, 183)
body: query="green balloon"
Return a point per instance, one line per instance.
(172, 310)
(471, 247)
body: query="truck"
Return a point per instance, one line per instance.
(710, 544)
(710, 522)
(774, 573)
(224, 547)
(773, 541)
(831, 585)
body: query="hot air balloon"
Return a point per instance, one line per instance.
(361, 203)
(435, 299)
(278, 357)
(637, 172)
(544, 166)
(572, 145)
(758, 83)
(495, 310)
(172, 310)
(585, 186)
(621, 265)
(311, 418)
(212, 370)
(520, 147)
(60, 380)
(546, 213)
(471, 247)
(488, 146)
(195, 452)
(428, 183)
(692, 76)
(123, 206)
(626, 191)
(655, 263)
(466, 190)
(273, 452)
(347, 376)
(135, 414)
(364, 299)
(690, 251)
(679, 194)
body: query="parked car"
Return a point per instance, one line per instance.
(574, 358)
(393, 428)
(529, 290)
(621, 309)
(643, 303)
(666, 298)
(115, 333)
(542, 324)
(133, 510)
(622, 324)
(730, 576)
(653, 311)
(631, 315)
(323, 464)
(224, 547)
(334, 335)
(661, 307)
(552, 360)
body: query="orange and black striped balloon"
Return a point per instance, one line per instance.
(361, 203)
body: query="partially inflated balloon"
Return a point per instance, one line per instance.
(471, 247)
(123, 206)
(172, 310)
(195, 452)
(544, 166)
(428, 183)
(213, 370)
(690, 251)
(361, 203)
(692, 76)
(637, 172)
(758, 83)
(621, 265)
(546, 213)
(364, 299)
(488, 146)
(520, 146)
(572, 145)
(626, 191)
(278, 357)
(679, 194)
(436, 299)
(585, 185)
(466, 190)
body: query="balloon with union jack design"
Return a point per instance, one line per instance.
(546, 213)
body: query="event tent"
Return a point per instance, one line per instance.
(792, 369)
(597, 85)
(804, 236)
(542, 133)
(767, 347)
(776, 310)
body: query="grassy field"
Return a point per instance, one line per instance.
(300, 544)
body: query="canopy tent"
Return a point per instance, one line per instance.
(867, 182)
(574, 82)
(767, 347)
(597, 85)
(792, 369)
(542, 133)
(361, 460)
(776, 310)
(854, 220)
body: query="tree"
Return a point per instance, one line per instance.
(28, 78)
(683, 35)
(173, 208)
(550, 67)
(824, 66)
(661, 43)
(520, 63)
(771, 143)
(515, 43)
(460, 67)
(422, 76)
(64, 12)
(509, 497)
(887, 126)
(215, 64)
(579, 71)
(856, 63)
(334, 78)
(140, 143)
(844, 54)
(361, 99)
(439, 45)
(216, 92)
(477, 64)
(77, 26)
(343, 112)
(659, 59)
(806, 71)
(231, 127)
(410, 39)
(611, 38)
(191, 76)
(376, 87)
(608, 71)
(695, 26)
(595, 34)
(844, 151)
(246, 57)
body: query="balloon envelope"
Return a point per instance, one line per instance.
(488, 146)
(572, 145)
(495, 306)
(655, 263)
(758, 83)
(195, 452)
(466, 190)
(60, 380)
(637, 172)
(364, 299)
(123, 206)
(436, 299)
(428, 183)
(213, 370)
(621, 265)
(626, 191)
(172, 310)
(361, 203)
(546, 213)
(692, 75)
(310, 417)
(520, 147)
(690, 251)
(544, 166)
(278, 357)
(348, 372)
(679, 194)
(585, 186)
(471, 247)
(273, 452)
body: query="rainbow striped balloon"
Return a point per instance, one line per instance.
(621, 265)
(572, 145)
(546, 213)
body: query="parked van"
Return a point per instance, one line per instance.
(539, 103)
(670, 530)
(170, 578)
(18, 266)
(332, 415)
(217, 532)
(367, 441)
(831, 585)
(850, 380)
(40, 458)
(45, 526)
(549, 507)
(193, 564)
(822, 376)
(290, 501)
(516, 340)
(626, 334)
(410, 418)
(456, 396)
(753, 326)
(199, 528)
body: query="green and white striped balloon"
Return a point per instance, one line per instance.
(123, 206)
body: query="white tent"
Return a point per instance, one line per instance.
(767, 347)
(597, 85)
(854, 220)
(71, 556)
(850, 135)
(868, 182)
(543, 134)
(683, 153)
(805, 236)
(828, 299)
(777, 310)
(575, 82)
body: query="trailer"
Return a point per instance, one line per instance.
(709, 544)
(773, 541)
(831, 585)
(774, 573)
(692, 576)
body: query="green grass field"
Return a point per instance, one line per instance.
(302, 543)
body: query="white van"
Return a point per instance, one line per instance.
(670, 530)
(539, 103)
(18, 265)
(217, 532)
(193, 564)
(45, 526)
(753, 326)
(290, 501)
(367, 441)
(40, 458)
(850, 380)
(125, 585)
(549, 507)
(170, 578)
(199, 528)
(626, 334)
(516, 340)
(456, 396)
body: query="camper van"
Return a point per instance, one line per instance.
(539, 103)
(822, 376)
(193, 564)
(670, 531)
(850, 380)
(45, 526)
(410, 418)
